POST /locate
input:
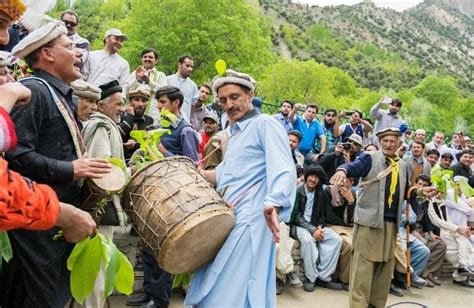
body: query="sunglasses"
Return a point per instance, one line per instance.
(69, 23)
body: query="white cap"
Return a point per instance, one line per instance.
(115, 32)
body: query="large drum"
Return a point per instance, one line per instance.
(96, 190)
(177, 213)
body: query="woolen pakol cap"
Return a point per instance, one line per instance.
(233, 77)
(85, 89)
(389, 131)
(48, 31)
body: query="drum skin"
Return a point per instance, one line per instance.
(95, 190)
(177, 214)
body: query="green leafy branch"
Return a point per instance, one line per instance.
(183, 279)
(6, 248)
(85, 262)
(149, 140)
(442, 179)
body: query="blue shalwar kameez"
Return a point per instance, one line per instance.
(258, 167)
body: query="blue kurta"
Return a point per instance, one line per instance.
(243, 272)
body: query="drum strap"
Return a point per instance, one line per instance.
(242, 195)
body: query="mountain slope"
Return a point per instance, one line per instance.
(379, 47)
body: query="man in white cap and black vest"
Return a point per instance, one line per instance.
(50, 150)
(256, 178)
(376, 218)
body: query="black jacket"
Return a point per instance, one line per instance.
(317, 216)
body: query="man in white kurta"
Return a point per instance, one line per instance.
(258, 176)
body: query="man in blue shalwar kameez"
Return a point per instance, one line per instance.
(257, 176)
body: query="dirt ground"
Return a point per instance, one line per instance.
(447, 295)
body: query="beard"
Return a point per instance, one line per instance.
(138, 112)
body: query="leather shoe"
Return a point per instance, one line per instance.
(429, 284)
(416, 281)
(465, 283)
(465, 271)
(332, 285)
(345, 286)
(394, 290)
(279, 287)
(149, 304)
(138, 301)
(294, 280)
(308, 286)
(433, 279)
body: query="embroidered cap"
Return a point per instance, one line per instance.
(140, 90)
(13, 8)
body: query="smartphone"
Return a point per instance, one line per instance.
(387, 100)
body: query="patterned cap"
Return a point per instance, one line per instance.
(12, 8)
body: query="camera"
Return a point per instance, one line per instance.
(346, 145)
(302, 108)
(348, 113)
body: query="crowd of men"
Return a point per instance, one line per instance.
(348, 188)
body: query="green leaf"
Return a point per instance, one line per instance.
(165, 123)
(111, 270)
(106, 249)
(85, 270)
(125, 275)
(467, 190)
(117, 162)
(138, 135)
(7, 253)
(76, 252)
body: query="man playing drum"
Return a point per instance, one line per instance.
(254, 176)
(103, 140)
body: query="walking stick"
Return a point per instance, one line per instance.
(407, 231)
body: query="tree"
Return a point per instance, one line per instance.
(208, 30)
(439, 91)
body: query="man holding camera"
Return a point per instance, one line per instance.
(340, 154)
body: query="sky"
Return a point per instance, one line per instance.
(398, 5)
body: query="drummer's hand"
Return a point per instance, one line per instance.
(130, 144)
(271, 217)
(94, 168)
(75, 223)
(338, 178)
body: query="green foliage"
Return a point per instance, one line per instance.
(442, 179)
(149, 140)
(85, 262)
(439, 91)
(117, 162)
(183, 279)
(5, 249)
(208, 30)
